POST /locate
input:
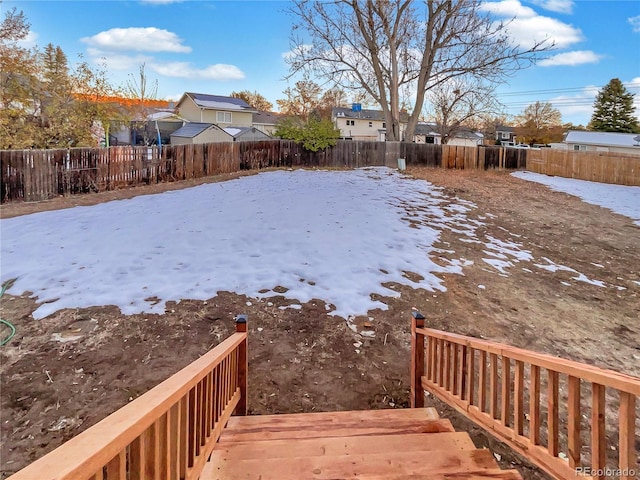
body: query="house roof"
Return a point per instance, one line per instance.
(431, 129)
(426, 129)
(236, 132)
(165, 116)
(609, 139)
(218, 102)
(503, 128)
(193, 129)
(342, 112)
(266, 118)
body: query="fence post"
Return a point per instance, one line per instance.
(417, 361)
(241, 327)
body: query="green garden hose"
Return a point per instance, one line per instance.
(6, 285)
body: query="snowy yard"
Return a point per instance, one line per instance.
(334, 236)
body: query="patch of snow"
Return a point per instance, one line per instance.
(337, 230)
(499, 265)
(293, 307)
(580, 277)
(620, 199)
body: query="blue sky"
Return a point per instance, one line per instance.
(222, 46)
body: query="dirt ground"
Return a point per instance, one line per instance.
(66, 372)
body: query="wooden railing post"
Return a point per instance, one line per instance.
(417, 361)
(243, 366)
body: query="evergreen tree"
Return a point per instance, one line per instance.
(57, 100)
(614, 110)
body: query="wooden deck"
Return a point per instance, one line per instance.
(374, 444)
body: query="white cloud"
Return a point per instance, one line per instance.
(559, 6)
(29, 41)
(578, 57)
(635, 23)
(218, 71)
(138, 39)
(526, 27)
(299, 49)
(508, 9)
(578, 106)
(114, 61)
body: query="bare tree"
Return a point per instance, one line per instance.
(140, 92)
(396, 48)
(459, 103)
(256, 100)
(301, 100)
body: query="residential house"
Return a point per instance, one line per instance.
(198, 132)
(355, 124)
(223, 111)
(429, 133)
(601, 142)
(266, 122)
(505, 135)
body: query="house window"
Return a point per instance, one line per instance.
(384, 125)
(370, 124)
(350, 123)
(505, 135)
(224, 117)
(580, 147)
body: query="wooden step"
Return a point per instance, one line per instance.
(334, 446)
(386, 466)
(334, 424)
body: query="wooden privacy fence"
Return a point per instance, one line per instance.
(33, 175)
(168, 433)
(605, 167)
(533, 402)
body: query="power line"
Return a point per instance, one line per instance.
(563, 90)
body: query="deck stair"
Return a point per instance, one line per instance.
(375, 444)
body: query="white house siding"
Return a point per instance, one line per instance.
(464, 142)
(602, 148)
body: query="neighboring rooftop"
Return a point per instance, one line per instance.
(192, 129)
(219, 102)
(343, 112)
(612, 139)
(266, 118)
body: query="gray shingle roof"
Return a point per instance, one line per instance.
(266, 118)
(603, 138)
(191, 130)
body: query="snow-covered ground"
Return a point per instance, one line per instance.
(618, 198)
(335, 236)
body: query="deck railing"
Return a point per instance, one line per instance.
(167, 433)
(552, 411)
